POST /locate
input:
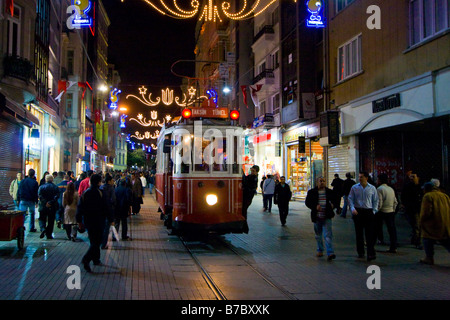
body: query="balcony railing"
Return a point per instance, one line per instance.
(19, 68)
(266, 29)
(266, 73)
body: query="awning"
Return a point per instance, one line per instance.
(18, 111)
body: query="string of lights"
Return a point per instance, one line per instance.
(210, 11)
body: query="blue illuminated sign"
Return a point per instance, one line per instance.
(315, 20)
(122, 123)
(79, 14)
(212, 95)
(113, 98)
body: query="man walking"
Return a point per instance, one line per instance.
(124, 201)
(283, 195)
(337, 185)
(321, 202)
(386, 212)
(411, 200)
(92, 212)
(363, 199)
(137, 192)
(14, 190)
(249, 186)
(268, 191)
(28, 194)
(48, 204)
(434, 221)
(346, 186)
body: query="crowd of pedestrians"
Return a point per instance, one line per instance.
(371, 205)
(94, 202)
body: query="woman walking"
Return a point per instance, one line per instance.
(70, 202)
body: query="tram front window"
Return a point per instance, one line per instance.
(222, 158)
(217, 157)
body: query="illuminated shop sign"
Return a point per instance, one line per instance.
(315, 20)
(79, 17)
(263, 119)
(113, 98)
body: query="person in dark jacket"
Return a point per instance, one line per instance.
(321, 201)
(282, 196)
(28, 194)
(346, 187)
(92, 213)
(151, 182)
(109, 194)
(412, 200)
(80, 178)
(249, 186)
(137, 192)
(338, 185)
(42, 181)
(123, 203)
(48, 205)
(62, 186)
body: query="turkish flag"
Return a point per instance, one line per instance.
(84, 86)
(97, 116)
(254, 95)
(244, 92)
(10, 6)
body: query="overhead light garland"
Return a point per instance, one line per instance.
(209, 11)
(147, 135)
(167, 97)
(154, 122)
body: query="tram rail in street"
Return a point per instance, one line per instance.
(209, 278)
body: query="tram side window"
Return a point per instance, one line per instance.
(237, 152)
(180, 166)
(167, 159)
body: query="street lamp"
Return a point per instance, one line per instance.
(226, 89)
(103, 88)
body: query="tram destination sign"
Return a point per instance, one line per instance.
(209, 113)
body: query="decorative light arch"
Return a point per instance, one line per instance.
(210, 10)
(167, 97)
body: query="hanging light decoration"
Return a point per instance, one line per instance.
(210, 11)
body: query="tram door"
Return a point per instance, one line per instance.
(164, 181)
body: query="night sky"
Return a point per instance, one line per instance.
(143, 45)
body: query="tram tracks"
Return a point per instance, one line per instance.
(260, 279)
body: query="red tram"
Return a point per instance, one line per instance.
(199, 177)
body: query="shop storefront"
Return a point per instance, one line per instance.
(304, 159)
(419, 146)
(263, 147)
(401, 128)
(14, 121)
(268, 153)
(33, 142)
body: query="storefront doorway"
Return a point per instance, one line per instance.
(304, 168)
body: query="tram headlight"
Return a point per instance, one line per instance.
(211, 199)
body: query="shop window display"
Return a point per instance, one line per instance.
(304, 168)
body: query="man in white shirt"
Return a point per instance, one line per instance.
(363, 200)
(144, 182)
(386, 212)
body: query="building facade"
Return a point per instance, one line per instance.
(389, 86)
